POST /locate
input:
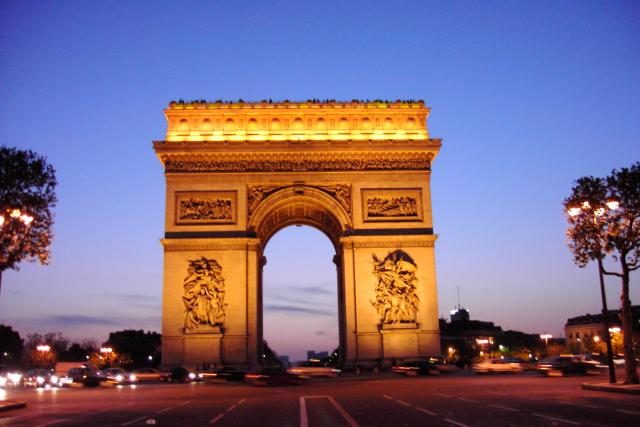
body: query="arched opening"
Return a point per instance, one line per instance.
(300, 293)
(317, 208)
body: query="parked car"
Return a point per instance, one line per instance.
(497, 365)
(180, 374)
(147, 374)
(10, 376)
(85, 375)
(567, 364)
(314, 369)
(40, 378)
(119, 376)
(273, 375)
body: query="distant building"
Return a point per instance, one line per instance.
(284, 359)
(582, 331)
(311, 354)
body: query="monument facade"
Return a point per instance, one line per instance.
(238, 172)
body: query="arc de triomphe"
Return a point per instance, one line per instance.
(236, 173)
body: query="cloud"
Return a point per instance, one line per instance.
(316, 289)
(67, 320)
(297, 309)
(320, 333)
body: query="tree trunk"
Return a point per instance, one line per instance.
(631, 373)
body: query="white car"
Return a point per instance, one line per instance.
(489, 366)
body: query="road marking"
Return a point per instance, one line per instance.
(468, 400)
(455, 423)
(581, 405)
(231, 408)
(426, 411)
(184, 403)
(304, 420)
(556, 419)
(443, 395)
(162, 411)
(61, 420)
(403, 403)
(134, 421)
(626, 411)
(386, 396)
(506, 408)
(216, 419)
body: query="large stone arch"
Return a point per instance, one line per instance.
(229, 191)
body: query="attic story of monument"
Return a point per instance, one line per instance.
(236, 173)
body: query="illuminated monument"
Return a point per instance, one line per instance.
(236, 173)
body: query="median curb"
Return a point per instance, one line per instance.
(7, 405)
(613, 388)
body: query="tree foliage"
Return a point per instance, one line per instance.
(137, 344)
(604, 219)
(10, 345)
(27, 182)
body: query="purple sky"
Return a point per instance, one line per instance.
(527, 97)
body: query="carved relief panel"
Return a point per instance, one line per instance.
(204, 294)
(206, 207)
(392, 204)
(396, 298)
(257, 193)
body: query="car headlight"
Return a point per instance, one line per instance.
(3, 381)
(40, 380)
(14, 377)
(119, 378)
(54, 379)
(132, 378)
(192, 375)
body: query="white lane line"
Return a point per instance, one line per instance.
(231, 408)
(626, 411)
(61, 420)
(162, 411)
(134, 421)
(506, 408)
(304, 421)
(241, 401)
(386, 396)
(402, 402)
(216, 419)
(443, 395)
(344, 413)
(581, 405)
(186, 402)
(560, 420)
(426, 411)
(468, 400)
(455, 423)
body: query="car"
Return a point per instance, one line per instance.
(419, 366)
(10, 376)
(180, 374)
(147, 374)
(496, 365)
(40, 378)
(229, 373)
(85, 375)
(273, 375)
(567, 364)
(119, 376)
(314, 369)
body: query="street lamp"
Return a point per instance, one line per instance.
(43, 348)
(598, 212)
(15, 223)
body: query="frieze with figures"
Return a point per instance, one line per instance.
(392, 204)
(206, 207)
(204, 294)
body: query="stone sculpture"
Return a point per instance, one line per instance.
(204, 294)
(396, 298)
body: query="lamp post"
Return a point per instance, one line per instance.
(546, 337)
(15, 223)
(597, 213)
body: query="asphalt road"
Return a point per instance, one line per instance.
(456, 400)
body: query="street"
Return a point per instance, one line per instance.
(461, 399)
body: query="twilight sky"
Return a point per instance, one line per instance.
(526, 96)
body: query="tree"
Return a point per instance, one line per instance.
(10, 345)
(604, 218)
(37, 356)
(137, 345)
(27, 196)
